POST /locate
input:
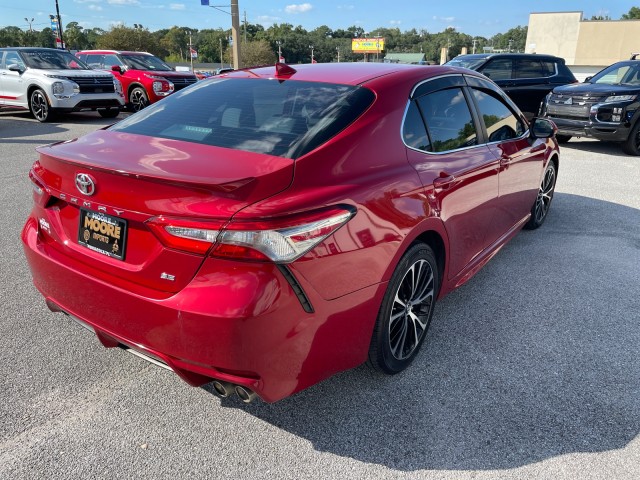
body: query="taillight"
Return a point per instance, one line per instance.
(40, 194)
(280, 240)
(189, 235)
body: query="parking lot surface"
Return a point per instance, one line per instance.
(530, 370)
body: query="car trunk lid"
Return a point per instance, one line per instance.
(133, 179)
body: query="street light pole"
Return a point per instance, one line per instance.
(29, 22)
(59, 25)
(338, 50)
(311, 47)
(279, 43)
(190, 50)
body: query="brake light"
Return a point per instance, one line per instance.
(189, 235)
(280, 240)
(40, 194)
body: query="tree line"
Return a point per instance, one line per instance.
(260, 45)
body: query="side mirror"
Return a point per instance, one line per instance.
(587, 79)
(117, 68)
(543, 128)
(14, 67)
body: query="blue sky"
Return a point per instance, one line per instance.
(476, 18)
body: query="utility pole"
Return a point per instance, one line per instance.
(235, 28)
(311, 47)
(59, 25)
(190, 50)
(221, 58)
(245, 27)
(474, 45)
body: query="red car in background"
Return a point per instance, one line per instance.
(271, 227)
(145, 78)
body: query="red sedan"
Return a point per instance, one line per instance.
(271, 227)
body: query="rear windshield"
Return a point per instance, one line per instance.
(286, 119)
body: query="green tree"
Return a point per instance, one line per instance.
(74, 37)
(121, 37)
(256, 53)
(633, 14)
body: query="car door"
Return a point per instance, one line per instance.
(12, 86)
(460, 175)
(521, 159)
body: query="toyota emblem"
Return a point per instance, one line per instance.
(85, 184)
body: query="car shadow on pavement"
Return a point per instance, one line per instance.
(535, 357)
(595, 146)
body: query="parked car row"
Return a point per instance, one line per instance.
(605, 107)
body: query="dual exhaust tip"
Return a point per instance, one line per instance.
(226, 389)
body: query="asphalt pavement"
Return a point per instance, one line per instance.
(530, 370)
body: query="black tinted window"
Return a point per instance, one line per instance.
(550, 68)
(499, 120)
(448, 120)
(498, 69)
(286, 119)
(529, 68)
(414, 132)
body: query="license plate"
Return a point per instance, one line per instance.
(103, 233)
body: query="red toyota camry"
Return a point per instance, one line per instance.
(273, 226)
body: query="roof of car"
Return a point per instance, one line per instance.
(123, 52)
(32, 49)
(343, 73)
(508, 55)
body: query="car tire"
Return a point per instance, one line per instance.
(138, 99)
(563, 138)
(406, 311)
(632, 145)
(542, 204)
(109, 112)
(39, 106)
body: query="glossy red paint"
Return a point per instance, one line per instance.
(243, 321)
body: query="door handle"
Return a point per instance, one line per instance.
(444, 181)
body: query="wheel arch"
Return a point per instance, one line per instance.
(35, 86)
(133, 85)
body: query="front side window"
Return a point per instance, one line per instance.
(12, 58)
(286, 119)
(499, 120)
(498, 69)
(448, 120)
(52, 60)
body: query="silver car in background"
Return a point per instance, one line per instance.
(47, 81)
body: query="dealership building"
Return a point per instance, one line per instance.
(586, 45)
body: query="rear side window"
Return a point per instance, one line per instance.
(550, 68)
(414, 132)
(286, 119)
(529, 68)
(448, 120)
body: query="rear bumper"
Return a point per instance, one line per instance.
(241, 325)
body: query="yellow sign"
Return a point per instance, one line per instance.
(367, 45)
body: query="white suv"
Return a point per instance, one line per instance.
(46, 81)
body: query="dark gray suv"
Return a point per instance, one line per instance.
(526, 77)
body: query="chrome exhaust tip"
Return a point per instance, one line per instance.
(246, 395)
(222, 389)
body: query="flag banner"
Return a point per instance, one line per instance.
(204, 2)
(194, 53)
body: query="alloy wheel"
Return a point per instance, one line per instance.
(138, 100)
(411, 310)
(545, 194)
(39, 106)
